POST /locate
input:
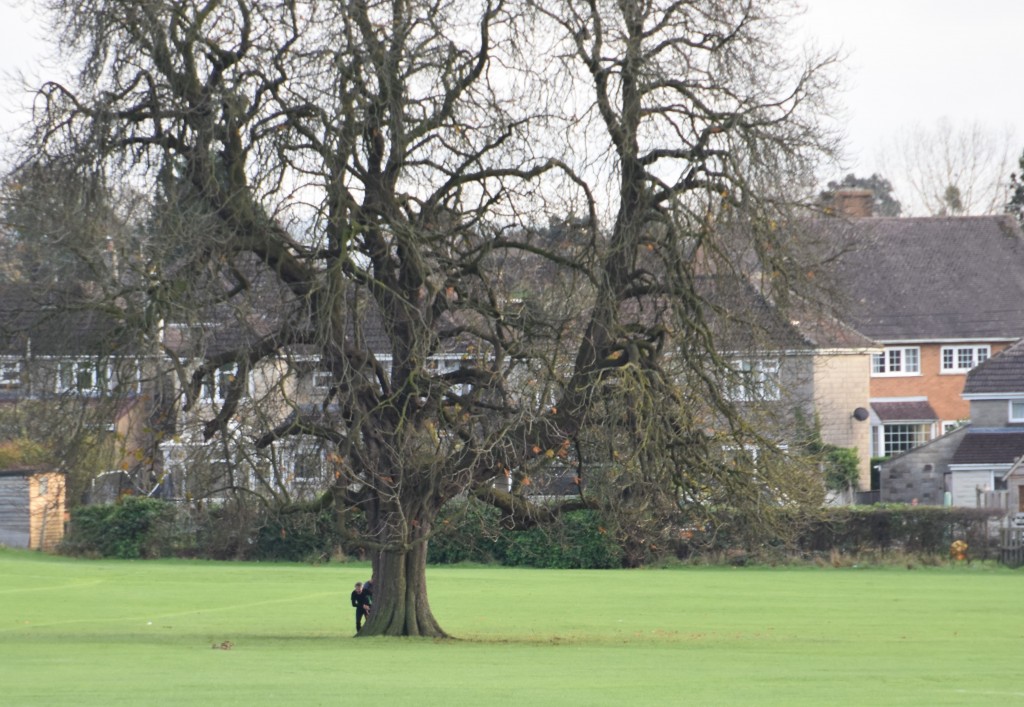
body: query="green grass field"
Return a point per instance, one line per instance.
(76, 632)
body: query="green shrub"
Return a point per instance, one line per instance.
(309, 536)
(467, 531)
(129, 529)
(472, 532)
(578, 541)
(23, 452)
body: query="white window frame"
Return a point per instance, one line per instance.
(756, 380)
(893, 361)
(322, 380)
(71, 376)
(961, 359)
(131, 383)
(879, 449)
(216, 383)
(1019, 404)
(950, 425)
(442, 364)
(303, 453)
(10, 373)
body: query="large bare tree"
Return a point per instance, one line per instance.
(571, 203)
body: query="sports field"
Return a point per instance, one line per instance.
(78, 632)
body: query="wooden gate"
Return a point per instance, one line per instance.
(1011, 546)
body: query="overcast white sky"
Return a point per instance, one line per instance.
(912, 62)
(908, 62)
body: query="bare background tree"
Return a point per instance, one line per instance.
(505, 239)
(950, 170)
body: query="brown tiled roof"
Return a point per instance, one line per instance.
(917, 410)
(1002, 445)
(1003, 373)
(931, 278)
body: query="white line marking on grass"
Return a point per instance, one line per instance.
(73, 585)
(989, 692)
(204, 610)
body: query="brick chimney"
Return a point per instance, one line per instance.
(852, 202)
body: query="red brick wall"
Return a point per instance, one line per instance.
(942, 390)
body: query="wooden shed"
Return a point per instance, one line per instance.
(31, 508)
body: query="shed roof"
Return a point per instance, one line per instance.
(996, 445)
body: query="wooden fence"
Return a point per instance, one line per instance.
(1011, 546)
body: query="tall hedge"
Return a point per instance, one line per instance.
(129, 529)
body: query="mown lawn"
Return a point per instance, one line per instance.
(77, 632)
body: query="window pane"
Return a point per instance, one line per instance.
(910, 363)
(965, 358)
(878, 363)
(900, 438)
(1017, 409)
(947, 359)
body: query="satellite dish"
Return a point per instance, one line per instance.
(861, 414)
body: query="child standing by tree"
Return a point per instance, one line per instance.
(361, 601)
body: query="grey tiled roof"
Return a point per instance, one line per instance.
(741, 318)
(935, 278)
(1002, 445)
(1003, 373)
(48, 322)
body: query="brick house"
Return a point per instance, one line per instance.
(940, 295)
(978, 463)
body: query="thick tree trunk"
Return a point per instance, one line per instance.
(400, 605)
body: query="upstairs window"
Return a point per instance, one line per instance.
(960, 359)
(81, 377)
(904, 361)
(1016, 411)
(217, 384)
(10, 374)
(756, 380)
(322, 381)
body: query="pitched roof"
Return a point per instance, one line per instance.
(1003, 373)
(904, 410)
(932, 278)
(741, 318)
(995, 445)
(52, 322)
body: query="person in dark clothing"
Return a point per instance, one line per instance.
(368, 590)
(361, 601)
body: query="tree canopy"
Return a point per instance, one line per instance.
(568, 204)
(884, 202)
